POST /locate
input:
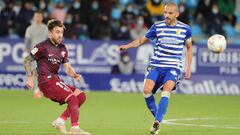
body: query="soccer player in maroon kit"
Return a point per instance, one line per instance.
(50, 54)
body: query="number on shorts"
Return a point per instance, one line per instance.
(62, 85)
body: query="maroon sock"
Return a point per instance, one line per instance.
(81, 99)
(73, 109)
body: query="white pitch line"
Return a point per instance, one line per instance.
(175, 122)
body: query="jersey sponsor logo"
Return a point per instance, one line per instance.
(54, 60)
(34, 51)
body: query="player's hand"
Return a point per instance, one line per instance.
(188, 74)
(30, 83)
(77, 77)
(122, 48)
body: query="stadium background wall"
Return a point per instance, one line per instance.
(212, 74)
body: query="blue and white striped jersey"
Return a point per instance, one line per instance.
(169, 42)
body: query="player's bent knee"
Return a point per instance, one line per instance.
(147, 90)
(72, 101)
(81, 98)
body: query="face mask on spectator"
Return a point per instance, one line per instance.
(156, 2)
(140, 21)
(116, 14)
(181, 8)
(129, 8)
(123, 2)
(123, 29)
(42, 5)
(76, 5)
(94, 5)
(68, 20)
(215, 10)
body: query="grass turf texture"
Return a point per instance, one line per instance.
(107, 113)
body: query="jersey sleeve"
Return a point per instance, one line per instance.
(188, 33)
(151, 34)
(37, 52)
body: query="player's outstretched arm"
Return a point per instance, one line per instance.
(71, 72)
(27, 61)
(189, 59)
(133, 44)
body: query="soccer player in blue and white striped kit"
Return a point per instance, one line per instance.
(169, 37)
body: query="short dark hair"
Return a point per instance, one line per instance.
(54, 23)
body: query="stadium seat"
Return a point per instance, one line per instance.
(196, 30)
(238, 17)
(229, 30)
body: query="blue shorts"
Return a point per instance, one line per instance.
(161, 75)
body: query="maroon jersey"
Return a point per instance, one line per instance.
(49, 57)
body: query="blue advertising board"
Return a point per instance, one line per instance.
(211, 73)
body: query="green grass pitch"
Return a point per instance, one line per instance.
(108, 113)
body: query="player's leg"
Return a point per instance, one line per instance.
(164, 101)
(169, 81)
(148, 87)
(162, 106)
(49, 90)
(81, 96)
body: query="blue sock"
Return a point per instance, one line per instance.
(162, 108)
(150, 101)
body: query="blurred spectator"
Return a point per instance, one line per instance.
(147, 16)
(155, 7)
(184, 13)
(59, 12)
(35, 33)
(227, 9)
(43, 5)
(113, 19)
(128, 15)
(139, 28)
(24, 17)
(204, 7)
(75, 22)
(214, 21)
(7, 19)
(98, 22)
(124, 66)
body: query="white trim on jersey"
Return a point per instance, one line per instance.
(161, 65)
(173, 46)
(166, 59)
(175, 29)
(169, 50)
(169, 34)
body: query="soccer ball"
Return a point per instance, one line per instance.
(217, 43)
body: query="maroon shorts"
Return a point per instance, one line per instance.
(56, 90)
